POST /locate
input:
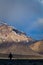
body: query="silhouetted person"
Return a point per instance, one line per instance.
(10, 56)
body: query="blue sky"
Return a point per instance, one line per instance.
(25, 15)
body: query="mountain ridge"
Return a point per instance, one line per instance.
(8, 31)
(15, 41)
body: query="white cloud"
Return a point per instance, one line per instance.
(40, 21)
(41, 1)
(36, 24)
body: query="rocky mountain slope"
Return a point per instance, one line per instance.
(17, 42)
(38, 47)
(13, 40)
(8, 34)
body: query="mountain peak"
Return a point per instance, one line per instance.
(9, 33)
(15, 41)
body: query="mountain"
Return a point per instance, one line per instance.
(17, 42)
(9, 34)
(37, 47)
(12, 39)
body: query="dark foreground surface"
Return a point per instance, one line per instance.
(20, 62)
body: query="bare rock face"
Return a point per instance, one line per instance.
(13, 40)
(8, 34)
(37, 47)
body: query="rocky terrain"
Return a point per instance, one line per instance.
(17, 42)
(8, 34)
(37, 46)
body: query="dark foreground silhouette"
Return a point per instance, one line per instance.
(20, 62)
(11, 61)
(10, 56)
